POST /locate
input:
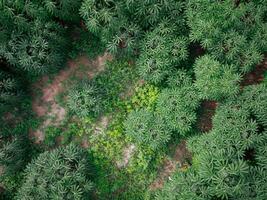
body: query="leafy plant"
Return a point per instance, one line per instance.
(215, 81)
(85, 100)
(162, 50)
(179, 78)
(177, 106)
(61, 173)
(114, 83)
(234, 32)
(145, 128)
(144, 97)
(229, 162)
(51, 133)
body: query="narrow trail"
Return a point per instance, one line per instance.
(204, 124)
(45, 105)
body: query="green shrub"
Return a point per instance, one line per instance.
(145, 128)
(234, 32)
(15, 154)
(162, 50)
(84, 100)
(178, 108)
(230, 161)
(109, 144)
(114, 82)
(60, 174)
(179, 78)
(214, 80)
(144, 97)
(51, 133)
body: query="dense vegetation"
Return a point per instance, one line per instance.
(131, 81)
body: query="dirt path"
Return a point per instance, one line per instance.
(45, 105)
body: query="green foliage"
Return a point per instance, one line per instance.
(145, 96)
(121, 24)
(106, 18)
(179, 78)
(51, 133)
(233, 31)
(86, 43)
(35, 43)
(14, 154)
(214, 80)
(159, 36)
(11, 184)
(116, 178)
(114, 83)
(60, 174)
(254, 99)
(145, 128)
(84, 100)
(9, 91)
(65, 10)
(178, 108)
(229, 162)
(162, 50)
(148, 13)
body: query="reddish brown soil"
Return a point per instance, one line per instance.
(45, 106)
(179, 160)
(257, 75)
(207, 110)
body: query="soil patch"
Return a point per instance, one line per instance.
(256, 76)
(127, 154)
(206, 112)
(45, 105)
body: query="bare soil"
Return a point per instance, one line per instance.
(127, 154)
(206, 112)
(179, 160)
(45, 106)
(256, 76)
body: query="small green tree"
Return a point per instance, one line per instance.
(84, 100)
(178, 107)
(32, 41)
(149, 13)
(214, 80)
(108, 20)
(161, 51)
(14, 154)
(233, 31)
(179, 78)
(146, 128)
(66, 10)
(60, 174)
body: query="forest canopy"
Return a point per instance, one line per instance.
(133, 99)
